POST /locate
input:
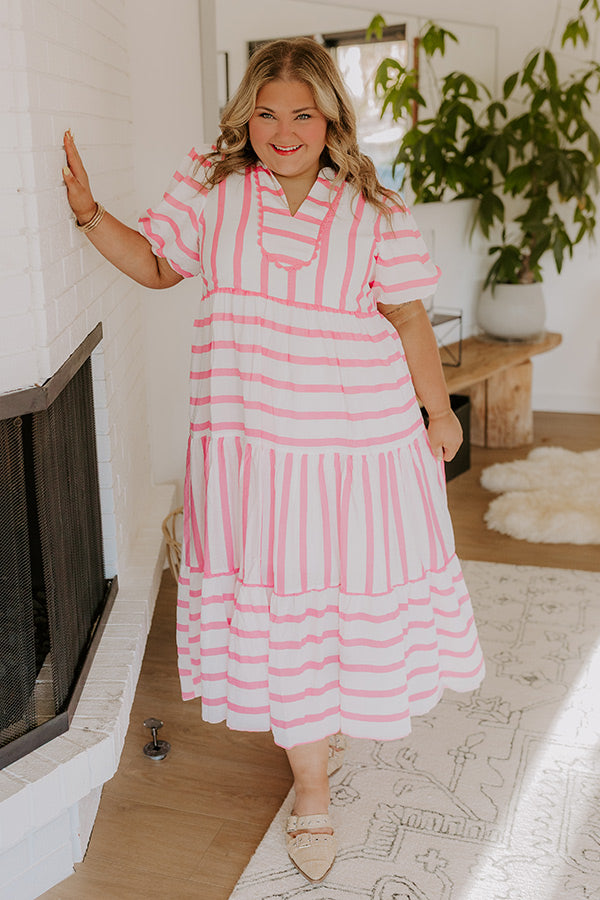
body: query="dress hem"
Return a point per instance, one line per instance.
(343, 727)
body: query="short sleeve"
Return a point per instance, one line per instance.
(404, 270)
(172, 227)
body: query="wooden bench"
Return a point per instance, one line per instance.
(497, 376)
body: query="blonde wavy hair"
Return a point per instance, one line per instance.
(299, 59)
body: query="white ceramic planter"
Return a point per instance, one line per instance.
(512, 312)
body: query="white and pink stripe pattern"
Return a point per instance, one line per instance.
(319, 588)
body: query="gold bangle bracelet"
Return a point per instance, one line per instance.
(94, 221)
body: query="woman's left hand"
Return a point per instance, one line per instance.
(445, 435)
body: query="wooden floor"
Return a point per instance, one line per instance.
(184, 828)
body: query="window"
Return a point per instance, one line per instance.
(358, 61)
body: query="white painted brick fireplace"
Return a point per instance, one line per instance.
(66, 64)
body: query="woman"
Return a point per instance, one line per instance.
(319, 591)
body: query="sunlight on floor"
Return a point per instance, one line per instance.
(559, 802)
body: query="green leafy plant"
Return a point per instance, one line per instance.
(541, 162)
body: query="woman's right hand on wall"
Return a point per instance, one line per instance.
(124, 247)
(79, 193)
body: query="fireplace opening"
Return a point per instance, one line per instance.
(54, 597)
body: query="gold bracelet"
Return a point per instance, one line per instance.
(94, 221)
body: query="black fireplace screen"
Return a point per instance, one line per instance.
(52, 585)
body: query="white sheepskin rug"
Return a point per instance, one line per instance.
(552, 497)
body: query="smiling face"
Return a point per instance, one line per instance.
(287, 131)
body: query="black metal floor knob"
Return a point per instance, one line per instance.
(156, 749)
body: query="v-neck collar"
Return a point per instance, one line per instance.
(292, 241)
(321, 192)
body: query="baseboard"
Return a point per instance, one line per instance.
(589, 405)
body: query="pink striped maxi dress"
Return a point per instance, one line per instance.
(319, 589)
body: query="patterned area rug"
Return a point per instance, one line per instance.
(495, 795)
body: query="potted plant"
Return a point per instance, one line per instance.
(530, 158)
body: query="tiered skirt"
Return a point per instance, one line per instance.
(320, 591)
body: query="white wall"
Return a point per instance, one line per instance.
(166, 93)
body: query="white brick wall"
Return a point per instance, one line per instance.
(65, 64)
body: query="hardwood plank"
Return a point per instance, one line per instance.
(128, 828)
(192, 739)
(193, 781)
(228, 854)
(101, 879)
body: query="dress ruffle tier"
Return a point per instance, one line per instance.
(307, 605)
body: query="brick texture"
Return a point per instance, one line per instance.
(65, 65)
